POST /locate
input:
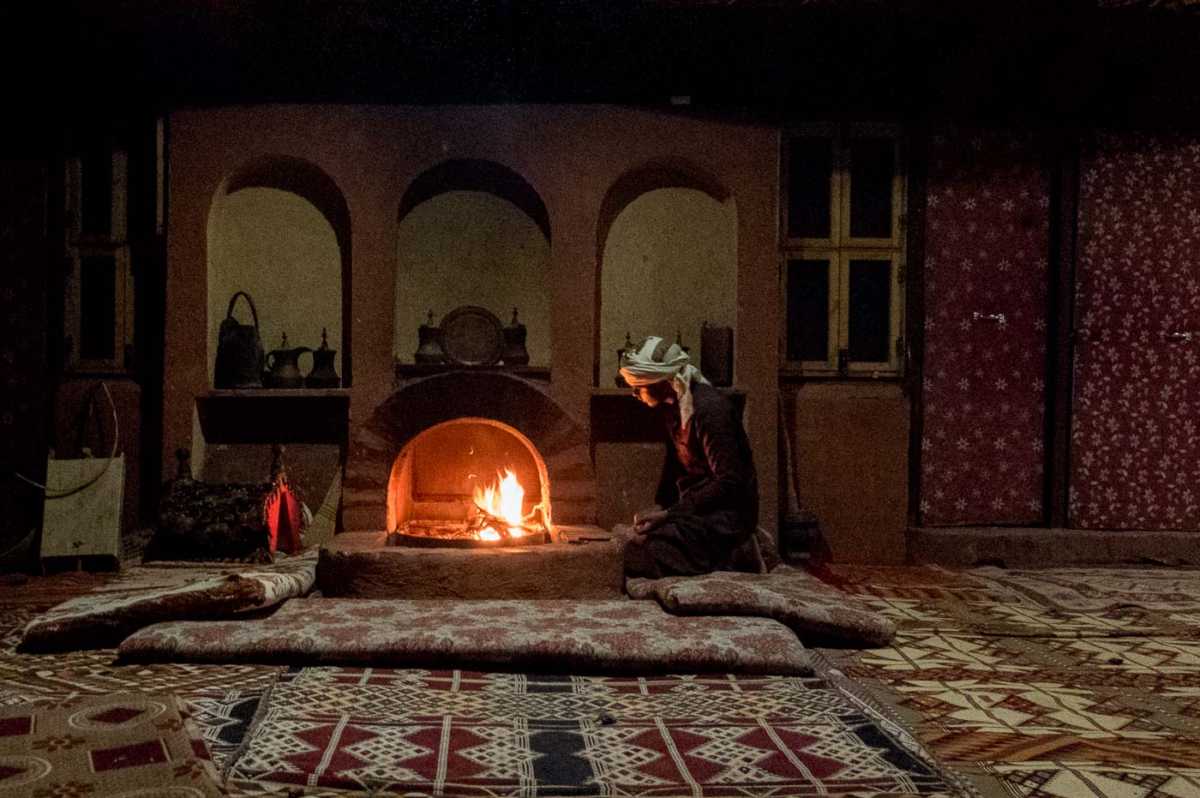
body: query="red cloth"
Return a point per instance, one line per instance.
(283, 520)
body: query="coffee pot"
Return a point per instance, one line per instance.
(283, 366)
(514, 352)
(323, 374)
(429, 343)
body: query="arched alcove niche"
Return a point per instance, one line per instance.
(666, 244)
(472, 232)
(279, 229)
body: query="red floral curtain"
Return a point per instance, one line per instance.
(1135, 436)
(987, 241)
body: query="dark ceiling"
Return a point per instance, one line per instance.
(1051, 61)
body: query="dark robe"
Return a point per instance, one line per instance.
(709, 488)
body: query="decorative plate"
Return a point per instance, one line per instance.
(472, 336)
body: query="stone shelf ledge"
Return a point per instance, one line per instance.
(275, 415)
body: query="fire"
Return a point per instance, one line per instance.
(503, 500)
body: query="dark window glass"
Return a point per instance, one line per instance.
(872, 166)
(808, 310)
(96, 176)
(98, 307)
(870, 310)
(810, 167)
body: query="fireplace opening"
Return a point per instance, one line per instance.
(466, 483)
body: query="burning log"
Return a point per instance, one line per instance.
(484, 519)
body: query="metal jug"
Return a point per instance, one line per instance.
(514, 352)
(429, 343)
(323, 374)
(239, 350)
(283, 366)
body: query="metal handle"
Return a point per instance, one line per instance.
(1184, 336)
(999, 318)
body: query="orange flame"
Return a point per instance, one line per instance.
(502, 501)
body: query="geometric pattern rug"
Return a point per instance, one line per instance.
(1063, 682)
(222, 720)
(465, 733)
(1067, 603)
(1098, 589)
(127, 744)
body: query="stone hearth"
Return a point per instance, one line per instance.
(585, 563)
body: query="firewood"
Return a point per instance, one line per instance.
(485, 519)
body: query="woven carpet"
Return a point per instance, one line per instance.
(219, 701)
(127, 744)
(461, 733)
(1052, 603)
(998, 673)
(1064, 682)
(607, 636)
(143, 595)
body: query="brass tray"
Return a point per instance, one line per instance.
(472, 336)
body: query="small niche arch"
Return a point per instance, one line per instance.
(472, 232)
(312, 184)
(716, 224)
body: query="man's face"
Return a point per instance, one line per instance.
(655, 394)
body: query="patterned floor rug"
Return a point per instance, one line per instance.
(460, 733)
(1099, 589)
(570, 636)
(1066, 603)
(123, 745)
(1035, 691)
(222, 720)
(1097, 695)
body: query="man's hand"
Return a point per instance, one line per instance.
(648, 520)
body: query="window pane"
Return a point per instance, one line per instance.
(808, 310)
(810, 166)
(98, 304)
(96, 176)
(870, 310)
(872, 166)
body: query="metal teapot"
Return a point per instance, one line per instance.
(283, 366)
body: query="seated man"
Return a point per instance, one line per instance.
(708, 496)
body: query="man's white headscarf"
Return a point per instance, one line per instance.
(653, 360)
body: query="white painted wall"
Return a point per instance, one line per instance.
(278, 248)
(471, 248)
(669, 264)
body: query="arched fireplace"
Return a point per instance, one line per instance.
(418, 461)
(469, 481)
(436, 438)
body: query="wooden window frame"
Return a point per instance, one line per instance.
(78, 246)
(840, 248)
